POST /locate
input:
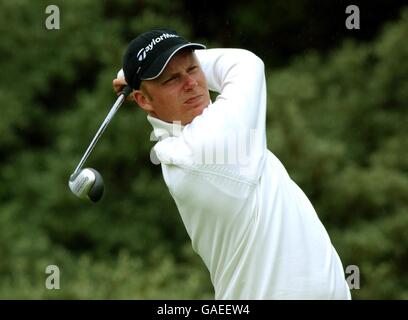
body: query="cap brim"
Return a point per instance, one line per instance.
(157, 67)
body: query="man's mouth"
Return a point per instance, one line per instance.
(193, 99)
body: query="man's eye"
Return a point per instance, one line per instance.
(193, 68)
(169, 80)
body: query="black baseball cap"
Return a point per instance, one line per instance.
(149, 53)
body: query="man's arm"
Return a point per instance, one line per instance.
(238, 75)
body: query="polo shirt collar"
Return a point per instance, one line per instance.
(164, 129)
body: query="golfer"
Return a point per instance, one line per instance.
(254, 228)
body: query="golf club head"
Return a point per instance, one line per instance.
(87, 184)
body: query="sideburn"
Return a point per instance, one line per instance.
(145, 91)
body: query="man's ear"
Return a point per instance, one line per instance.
(143, 101)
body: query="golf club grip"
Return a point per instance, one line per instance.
(126, 91)
(119, 101)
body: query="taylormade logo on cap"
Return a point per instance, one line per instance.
(148, 54)
(141, 55)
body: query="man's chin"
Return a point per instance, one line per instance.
(199, 109)
(195, 112)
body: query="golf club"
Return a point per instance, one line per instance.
(88, 183)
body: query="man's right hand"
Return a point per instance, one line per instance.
(119, 83)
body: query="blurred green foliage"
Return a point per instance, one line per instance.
(337, 121)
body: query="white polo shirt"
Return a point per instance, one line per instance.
(254, 228)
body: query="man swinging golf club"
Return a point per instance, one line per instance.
(254, 228)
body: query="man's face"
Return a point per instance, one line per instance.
(180, 93)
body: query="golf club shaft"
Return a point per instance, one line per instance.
(122, 97)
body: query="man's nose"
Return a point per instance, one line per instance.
(190, 82)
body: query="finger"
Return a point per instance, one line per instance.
(121, 81)
(118, 85)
